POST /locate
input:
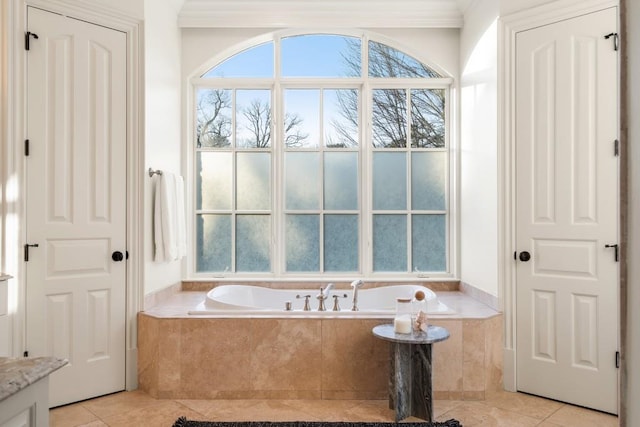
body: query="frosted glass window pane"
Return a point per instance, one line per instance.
(253, 240)
(253, 118)
(428, 180)
(302, 242)
(390, 243)
(213, 234)
(256, 61)
(429, 243)
(213, 180)
(341, 181)
(427, 118)
(302, 189)
(213, 118)
(389, 118)
(341, 243)
(385, 61)
(321, 55)
(253, 183)
(340, 119)
(301, 118)
(389, 181)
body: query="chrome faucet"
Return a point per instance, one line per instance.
(355, 285)
(323, 295)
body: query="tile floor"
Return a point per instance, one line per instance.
(501, 409)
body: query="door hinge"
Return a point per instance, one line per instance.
(616, 148)
(615, 40)
(26, 250)
(27, 39)
(515, 255)
(617, 360)
(25, 354)
(26, 147)
(615, 247)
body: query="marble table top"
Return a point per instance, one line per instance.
(433, 334)
(18, 373)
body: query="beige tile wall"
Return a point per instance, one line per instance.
(205, 358)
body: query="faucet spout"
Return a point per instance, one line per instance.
(323, 295)
(356, 284)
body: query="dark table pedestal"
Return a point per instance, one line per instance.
(410, 391)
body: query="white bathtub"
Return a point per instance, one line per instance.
(256, 300)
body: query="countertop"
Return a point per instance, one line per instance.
(4, 277)
(18, 373)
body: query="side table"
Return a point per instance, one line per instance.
(410, 391)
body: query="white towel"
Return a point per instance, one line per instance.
(169, 218)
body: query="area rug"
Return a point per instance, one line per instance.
(183, 422)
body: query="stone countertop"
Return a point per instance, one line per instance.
(4, 277)
(18, 373)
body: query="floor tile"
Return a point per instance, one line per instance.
(71, 416)
(162, 414)
(118, 403)
(575, 416)
(473, 414)
(524, 404)
(247, 410)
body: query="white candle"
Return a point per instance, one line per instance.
(402, 324)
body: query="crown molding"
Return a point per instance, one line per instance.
(317, 13)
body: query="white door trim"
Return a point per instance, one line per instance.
(509, 26)
(15, 20)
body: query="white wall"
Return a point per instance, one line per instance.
(163, 149)
(633, 214)
(479, 147)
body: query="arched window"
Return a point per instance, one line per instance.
(321, 154)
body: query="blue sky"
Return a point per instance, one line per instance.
(302, 56)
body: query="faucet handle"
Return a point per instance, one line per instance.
(307, 307)
(336, 303)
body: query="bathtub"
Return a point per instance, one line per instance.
(261, 301)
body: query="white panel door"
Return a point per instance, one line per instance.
(76, 203)
(567, 211)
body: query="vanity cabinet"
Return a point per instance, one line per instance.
(24, 390)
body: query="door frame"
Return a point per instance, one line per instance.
(15, 22)
(509, 27)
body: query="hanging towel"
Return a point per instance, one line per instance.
(169, 218)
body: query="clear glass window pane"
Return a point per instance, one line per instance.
(428, 179)
(427, 118)
(390, 243)
(253, 243)
(301, 118)
(302, 235)
(256, 61)
(341, 181)
(385, 61)
(213, 118)
(389, 118)
(341, 243)
(302, 181)
(389, 181)
(429, 243)
(340, 119)
(253, 118)
(213, 235)
(213, 180)
(321, 55)
(253, 181)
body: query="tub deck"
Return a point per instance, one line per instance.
(278, 357)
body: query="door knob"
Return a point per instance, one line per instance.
(117, 256)
(524, 256)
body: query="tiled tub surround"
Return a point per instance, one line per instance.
(187, 357)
